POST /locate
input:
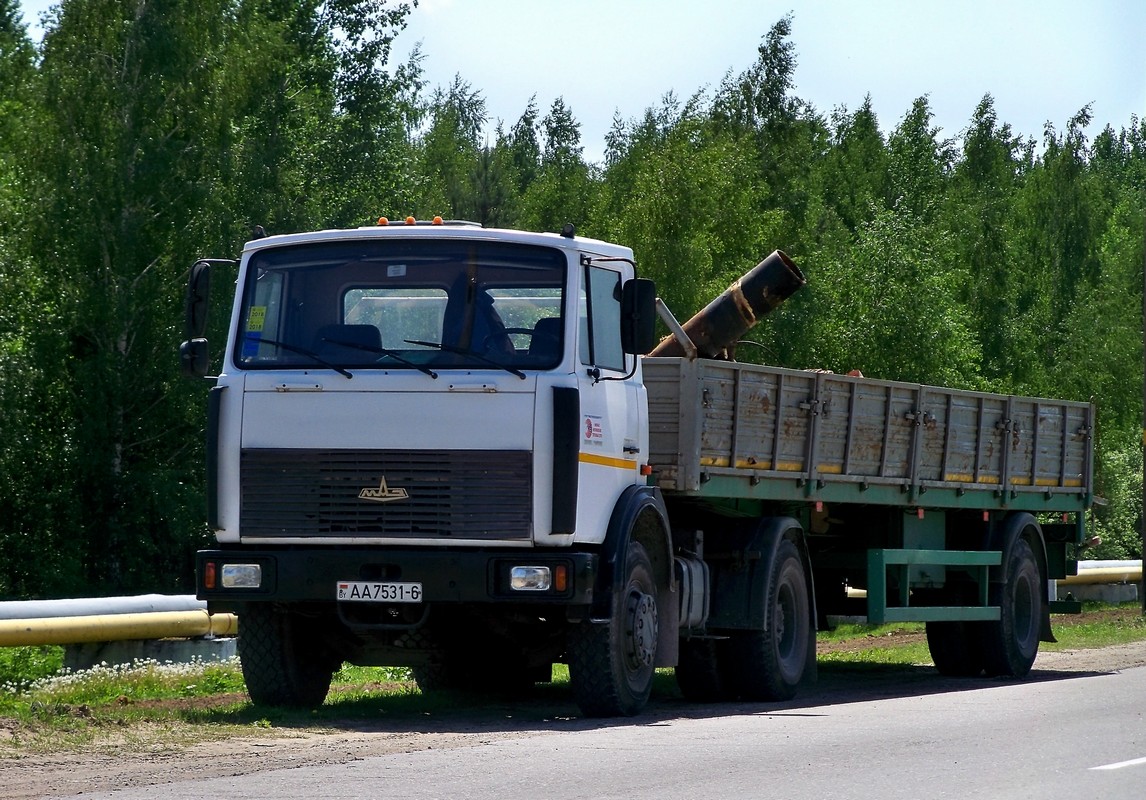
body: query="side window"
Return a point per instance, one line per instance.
(600, 319)
(263, 317)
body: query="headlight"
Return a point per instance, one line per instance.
(242, 576)
(530, 579)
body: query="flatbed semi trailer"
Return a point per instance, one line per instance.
(847, 449)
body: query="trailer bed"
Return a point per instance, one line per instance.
(720, 429)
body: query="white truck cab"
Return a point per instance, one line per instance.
(417, 442)
(408, 381)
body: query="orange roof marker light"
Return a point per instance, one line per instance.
(438, 219)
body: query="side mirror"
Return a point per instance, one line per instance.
(638, 316)
(198, 301)
(194, 358)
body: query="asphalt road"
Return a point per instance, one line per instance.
(1071, 735)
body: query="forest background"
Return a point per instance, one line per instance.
(136, 137)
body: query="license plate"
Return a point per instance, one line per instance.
(369, 592)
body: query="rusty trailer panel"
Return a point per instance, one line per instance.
(731, 430)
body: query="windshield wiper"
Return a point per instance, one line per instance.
(384, 351)
(302, 351)
(449, 348)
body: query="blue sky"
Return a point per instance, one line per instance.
(1042, 60)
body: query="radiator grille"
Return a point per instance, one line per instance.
(454, 494)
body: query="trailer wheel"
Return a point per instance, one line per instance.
(955, 648)
(283, 664)
(611, 664)
(1011, 644)
(702, 670)
(769, 664)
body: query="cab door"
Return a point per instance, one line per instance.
(612, 403)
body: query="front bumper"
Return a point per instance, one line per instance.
(311, 574)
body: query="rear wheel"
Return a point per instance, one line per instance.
(283, 661)
(769, 664)
(611, 665)
(1011, 644)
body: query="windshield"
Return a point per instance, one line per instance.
(403, 304)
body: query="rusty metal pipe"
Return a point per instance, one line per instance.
(719, 324)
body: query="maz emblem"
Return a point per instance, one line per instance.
(383, 493)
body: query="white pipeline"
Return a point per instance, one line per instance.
(1097, 572)
(95, 606)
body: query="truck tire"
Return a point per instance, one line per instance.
(1011, 644)
(768, 665)
(283, 662)
(955, 648)
(702, 670)
(611, 664)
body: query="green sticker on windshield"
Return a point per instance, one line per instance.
(256, 319)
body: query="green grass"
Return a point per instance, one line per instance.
(20, 666)
(902, 655)
(891, 644)
(1100, 625)
(1104, 625)
(121, 706)
(849, 631)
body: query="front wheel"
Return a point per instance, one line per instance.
(611, 664)
(769, 664)
(282, 660)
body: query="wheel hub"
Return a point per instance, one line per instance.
(780, 620)
(641, 629)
